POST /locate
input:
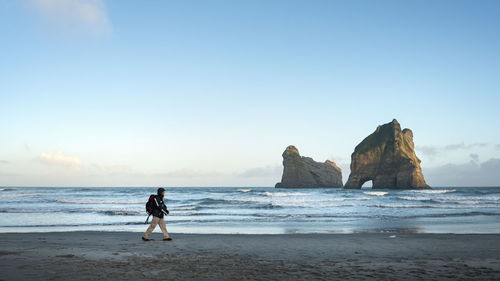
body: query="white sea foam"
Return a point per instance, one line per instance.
(410, 198)
(403, 206)
(477, 198)
(469, 202)
(186, 208)
(284, 199)
(103, 201)
(470, 206)
(244, 190)
(121, 213)
(18, 195)
(375, 193)
(439, 191)
(286, 194)
(315, 205)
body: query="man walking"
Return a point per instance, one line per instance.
(159, 210)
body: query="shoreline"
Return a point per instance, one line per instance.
(87, 255)
(157, 231)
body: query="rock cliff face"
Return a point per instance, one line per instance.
(387, 157)
(300, 171)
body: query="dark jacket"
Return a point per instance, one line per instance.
(158, 206)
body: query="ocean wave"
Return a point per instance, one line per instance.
(184, 208)
(375, 193)
(328, 216)
(100, 201)
(285, 194)
(436, 206)
(244, 190)
(462, 214)
(75, 225)
(224, 214)
(285, 200)
(212, 201)
(467, 198)
(74, 211)
(260, 203)
(18, 195)
(122, 213)
(319, 205)
(437, 191)
(37, 211)
(410, 198)
(402, 206)
(462, 202)
(267, 206)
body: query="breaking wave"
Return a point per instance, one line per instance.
(122, 213)
(375, 193)
(437, 191)
(285, 194)
(409, 198)
(18, 195)
(100, 201)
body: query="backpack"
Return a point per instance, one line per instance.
(150, 204)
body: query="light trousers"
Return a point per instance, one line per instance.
(152, 226)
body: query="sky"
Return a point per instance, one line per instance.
(210, 93)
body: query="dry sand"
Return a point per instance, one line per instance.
(122, 255)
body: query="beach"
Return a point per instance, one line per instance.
(97, 255)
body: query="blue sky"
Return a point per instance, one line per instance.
(209, 93)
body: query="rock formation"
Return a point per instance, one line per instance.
(300, 171)
(387, 157)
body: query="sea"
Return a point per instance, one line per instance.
(253, 210)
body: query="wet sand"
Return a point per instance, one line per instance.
(123, 256)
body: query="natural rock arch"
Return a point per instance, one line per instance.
(365, 180)
(387, 157)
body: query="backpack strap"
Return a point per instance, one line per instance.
(163, 211)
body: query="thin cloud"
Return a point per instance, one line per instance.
(90, 15)
(4, 162)
(462, 145)
(474, 156)
(59, 159)
(466, 174)
(433, 150)
(428, 150)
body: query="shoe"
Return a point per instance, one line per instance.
(145, 239)
(167, 239)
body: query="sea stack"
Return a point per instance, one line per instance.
(304, 172)
(387, 158)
